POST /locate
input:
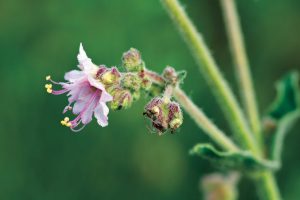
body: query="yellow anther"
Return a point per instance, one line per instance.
(48, 78)
(49, 90)
(69, 124)
(175, 123)
(67, 119)
(48, 86)
(63, 122)
(155, 110)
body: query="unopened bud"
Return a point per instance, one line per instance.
(146, 84)
(170, 75)
(173, 77)
(131, 81)
(132, 60)
(122, 99)
(108, 76)
(217, 186)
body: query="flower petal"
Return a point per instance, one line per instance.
(97, 84)
(87, 113)
(74, 75)
(105, 97)
(85, 63)
(101, 112)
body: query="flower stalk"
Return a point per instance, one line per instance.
(241, 62)
(227, 101)
(203, 121)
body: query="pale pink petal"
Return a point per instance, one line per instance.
(105, 97)
(74, 75)
(77, 90)
(85, 63)
(96, 83)
(78, 107)
(101, 112)
(87, 113)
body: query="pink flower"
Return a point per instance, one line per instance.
(86, 93)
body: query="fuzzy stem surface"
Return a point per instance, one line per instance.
(243, 74)
(208, 66)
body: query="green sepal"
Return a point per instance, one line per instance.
(239, 160)
(181, 75)
(284, 112)
(155, 90)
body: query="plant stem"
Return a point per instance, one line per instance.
(266, 183)
(241, 65)
(220, 87)
(203, 121)
(267, 187)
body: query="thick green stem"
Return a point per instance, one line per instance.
(208, 66)
(203, 121)
(266, 183)
(243, 73)
(267, 187)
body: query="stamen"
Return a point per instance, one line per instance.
(47, 86)
(75, 122)
(78, 130)
(58, 92)
(49, 90)
(66, 122)
(48, 78)
(67, 119)
(67, 108)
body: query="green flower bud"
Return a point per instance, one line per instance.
(122, 99)
(131, 81)
(132, 60)
(136, 95)
(170, 75)
(173, 77)
(146, 83)
(109, 76)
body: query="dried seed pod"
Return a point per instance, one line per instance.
(164, 114)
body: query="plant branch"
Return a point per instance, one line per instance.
(209, 68)
(203, 121)
(243, 73)
(267, 186)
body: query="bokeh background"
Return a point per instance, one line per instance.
(40, 159)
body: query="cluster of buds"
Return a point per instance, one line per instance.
(164, 114)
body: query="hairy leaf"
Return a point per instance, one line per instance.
(283, 113)
(241, 160)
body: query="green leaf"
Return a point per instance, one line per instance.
(284, 112)
(240, 160)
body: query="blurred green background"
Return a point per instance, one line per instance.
(40, 159)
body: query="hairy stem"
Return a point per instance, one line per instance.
(203, 121)
(266, 183)
(267, 187)
(196, 113)
(209, 68)
(241, 65)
